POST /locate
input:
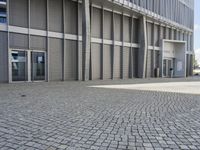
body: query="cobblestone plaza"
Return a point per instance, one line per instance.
(78, 115)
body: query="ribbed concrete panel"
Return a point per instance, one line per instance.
(156, 35)
(38, 43)
(126, 62)
(96, 61)
(55, 15)
(162, 33)
(18, 13)
(71, 62)
(38, 15)
(135, 31)
(117, 62)
(167, 33)
(191, 65)
(107, 62)
(149, 64)
(127, 31)
(18, 41)
(181, 36)
(150, 33)
(188, 44)
(172, 34)
(96, 23)
(157, 60)
(55, 59)
(80, 60)
(107, 25)
(3, 57)
(80, 19)
(118, 27)
(135, 62)
(71, 17)
(175, 34)
(180, 11)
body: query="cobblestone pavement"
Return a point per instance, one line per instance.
(74, 115)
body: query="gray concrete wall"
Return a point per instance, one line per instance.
(96, 23)
(107, 62)
(71, 60)
(96, 60)
(117, 62)
(107, 25)
(114, 57)
(38, 43)
(38, 14)
(55, 59)
(18, 14)
(71, 17)
(3, 57)
(179, 11)
(55, 16)
(18, 41)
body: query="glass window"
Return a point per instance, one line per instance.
(3, 14)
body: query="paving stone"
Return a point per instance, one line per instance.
(73, 115)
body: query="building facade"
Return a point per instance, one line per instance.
(58, 40)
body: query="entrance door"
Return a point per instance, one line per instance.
(37, 66)
(27, 66)
(19, 65)
(167, 65)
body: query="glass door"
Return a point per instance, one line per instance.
(164, 67)
(37, 66)
(169, 67)
(19, 65)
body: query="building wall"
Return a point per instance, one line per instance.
(180, 11)
(56, 27)
(3, 57)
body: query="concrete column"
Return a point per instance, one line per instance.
(86, 34)
(113, 46)
(48, 41)
(143, 48)
(161, 37)
(122, 48)
(102, 46)
(9, 71)
(131, 51)
(79, 44)
(153, 55)
(64, 44)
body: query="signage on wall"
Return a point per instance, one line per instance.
(179, 66)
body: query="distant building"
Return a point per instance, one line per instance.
(53, 40)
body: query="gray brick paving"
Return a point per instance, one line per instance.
(75, 116)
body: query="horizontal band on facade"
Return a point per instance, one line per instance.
(51, 34)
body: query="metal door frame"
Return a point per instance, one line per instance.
(167, 66)
(29, 59)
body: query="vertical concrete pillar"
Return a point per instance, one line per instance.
(86, 34)
(154, 53)
(47, 43)
(143, 48)
(79, 43)
(113, 46)
(102, 46)
(131, 50)
(122, 48)
(161, 37)
(64, 44)
(9, 71)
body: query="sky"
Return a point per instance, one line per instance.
(197, 30)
